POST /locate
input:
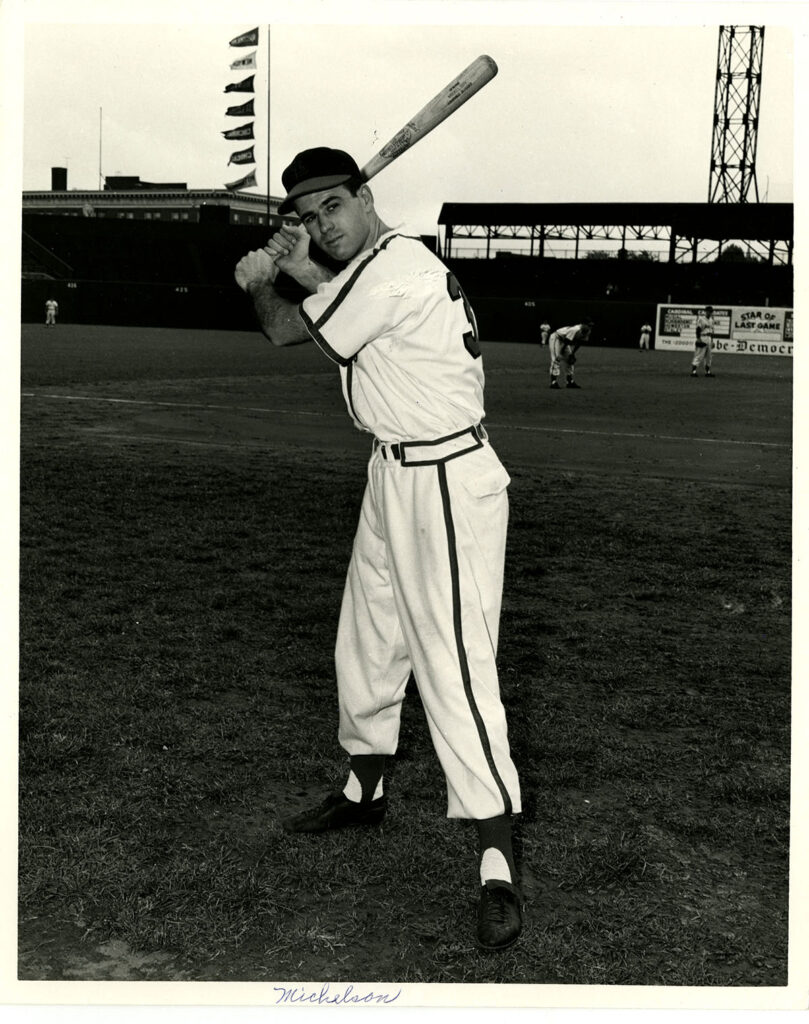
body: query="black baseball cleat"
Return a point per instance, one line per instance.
(709, 374)
(337, 811)
(555, 384)
(693, 373)
(573, 384)
(499, 915)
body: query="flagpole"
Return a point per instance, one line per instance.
(100, 176)
(268, 126)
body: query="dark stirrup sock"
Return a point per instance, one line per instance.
(495, 834)
(368, 769)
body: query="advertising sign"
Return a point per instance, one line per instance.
(745, 330)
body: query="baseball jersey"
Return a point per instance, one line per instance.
(52, 306)
(398, 325)
(646, 329)
(569, 333)
(705, 326)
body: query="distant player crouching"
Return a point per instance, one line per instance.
(563, 345)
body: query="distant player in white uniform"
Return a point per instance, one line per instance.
(645, 335)
(544, 332)
(51, 309)
(564, 343)
(703, 343)
(424, 584)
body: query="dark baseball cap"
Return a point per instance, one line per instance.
(314, 170)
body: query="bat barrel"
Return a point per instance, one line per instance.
(446, 102)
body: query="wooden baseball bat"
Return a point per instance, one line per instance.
(446, 102)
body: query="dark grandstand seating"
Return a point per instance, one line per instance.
(100, 249)
(40, 262)
(157, 273)
(626, 281)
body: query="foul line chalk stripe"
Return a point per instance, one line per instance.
(180, 405)
(655, 437)
(334, 415)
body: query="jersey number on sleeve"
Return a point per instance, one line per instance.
(470, 338)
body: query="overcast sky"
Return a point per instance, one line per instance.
(592, 103)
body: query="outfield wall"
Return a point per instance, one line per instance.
(139, 304)
(744, 330)
(142, 304)
(748, 330)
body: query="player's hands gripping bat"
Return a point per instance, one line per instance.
(462, 88)
(289, 248)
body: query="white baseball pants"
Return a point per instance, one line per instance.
(703, 352)
(559, 350)
(423, 592)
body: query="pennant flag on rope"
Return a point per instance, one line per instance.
(243, 63)
(244, 131)
(246, 182)
(246, 85)
(245, 110)
(243, 156)
(246, 38)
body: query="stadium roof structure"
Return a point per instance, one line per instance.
(139, 202)
(130, 198)
(767, 228)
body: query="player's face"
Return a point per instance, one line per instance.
(337, 221)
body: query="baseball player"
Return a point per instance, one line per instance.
(544, 331)
(703, 344)
(424, 584)
(564, 343)
(645, 336)
(51, 309)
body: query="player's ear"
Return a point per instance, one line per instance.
(367, 196)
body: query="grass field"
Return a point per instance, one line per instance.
(188, 502)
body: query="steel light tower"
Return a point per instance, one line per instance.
(735, 119)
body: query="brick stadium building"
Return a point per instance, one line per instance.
(129, 198)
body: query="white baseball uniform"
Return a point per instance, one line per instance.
(561, 347)
(51, 309)
(645, 335)
(544, 331)
(424, 585)
(705, 329)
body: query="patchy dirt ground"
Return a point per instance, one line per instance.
(68, 953)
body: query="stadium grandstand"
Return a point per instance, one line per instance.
(150, 254)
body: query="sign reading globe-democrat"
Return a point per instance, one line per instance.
(746, 330)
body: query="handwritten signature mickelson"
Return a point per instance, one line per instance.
(325, 996)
